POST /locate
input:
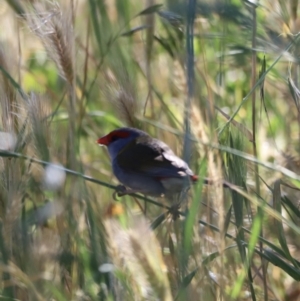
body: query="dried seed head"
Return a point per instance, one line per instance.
(55, 30)
(120, 92)
(137, 250)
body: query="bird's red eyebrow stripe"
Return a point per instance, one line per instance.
(105, 140)
(120, 134)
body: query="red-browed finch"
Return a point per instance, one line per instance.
(145, 164)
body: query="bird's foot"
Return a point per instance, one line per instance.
(174, 211)
(120, 191)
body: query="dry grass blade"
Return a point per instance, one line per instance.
(277, 205)
(8, 99)
(238, 125)
(295, 93)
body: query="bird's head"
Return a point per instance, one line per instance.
(118, 139)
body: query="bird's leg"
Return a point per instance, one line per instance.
(121, 190)
(174, 209)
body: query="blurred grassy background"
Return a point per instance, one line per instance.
(216, 80)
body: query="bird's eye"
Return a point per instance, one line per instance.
(113, 138)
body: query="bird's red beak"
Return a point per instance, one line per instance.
(103, 141)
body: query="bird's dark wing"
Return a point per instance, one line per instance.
(152, 157)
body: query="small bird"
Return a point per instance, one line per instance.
(145, 164)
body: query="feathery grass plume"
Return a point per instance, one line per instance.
(55, 30)
(136, 252)
(120, 91)
(39, 127)
(11, 184)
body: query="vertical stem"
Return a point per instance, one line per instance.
(253, 81)
(294, 17)
(73, 145)
(6, 277)
(191, 8)
(150, 21)
(256, 168)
